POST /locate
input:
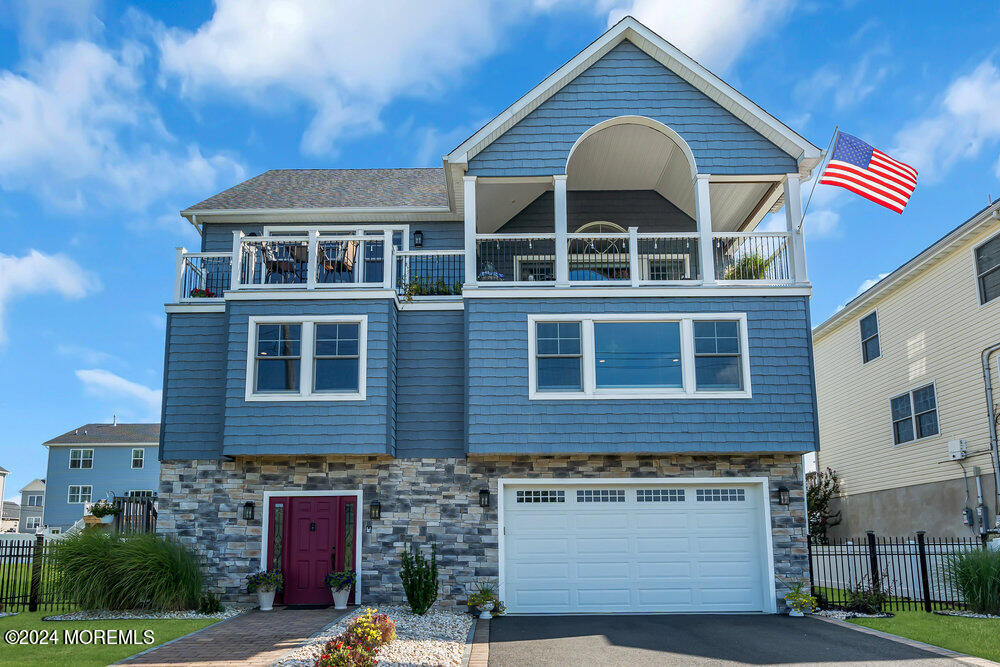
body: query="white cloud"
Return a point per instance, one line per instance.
(106, 385)
(38, 273)
(862, 288)
(965, 123)
(76, 130)
(847, 87)
(85, 354)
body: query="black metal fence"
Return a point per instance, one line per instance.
(911, 572)
(28, 580)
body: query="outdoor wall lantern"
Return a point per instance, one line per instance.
(783, 498)
(375, 510)
(248, 510)
(484, 498)
(418, 239)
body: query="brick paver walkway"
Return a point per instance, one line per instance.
(255, 638)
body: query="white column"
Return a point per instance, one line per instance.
(633, 255)
(234, 281)
(178, 279)
(562, 241)
(312, 252)
(388, 259)
(469, 183)
(703, 215)
(793, 222)
(359, 260)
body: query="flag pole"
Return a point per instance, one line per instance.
(826, 158)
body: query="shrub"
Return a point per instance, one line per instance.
(100, 570)
(370, 631)
(747, 267)
(210, 604)
(420, 578)
(338, 653)
(976, 574)
(338, 581)
(265, 581)
(821, 488)
(867, 597)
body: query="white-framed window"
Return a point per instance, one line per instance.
(870, 348)
(319, 358)
(138, 458)
(81, 459)
(987, 256)
(32, 522)
(79, 493)
(605, 356)
(33, 500)
(914, 415)
(55, 531)
(140, 493)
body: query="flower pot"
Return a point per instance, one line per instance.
(487, 608)
(340, 598)
(110, 518)
(795, 613)
(266, 599)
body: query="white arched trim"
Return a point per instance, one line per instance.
(597, 224)
(639, 120)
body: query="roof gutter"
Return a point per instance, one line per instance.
(991, 411)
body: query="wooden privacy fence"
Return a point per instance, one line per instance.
(28, 581)
(135, 515)
(911, 571)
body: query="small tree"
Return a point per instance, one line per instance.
(420, 578)
(821, 487)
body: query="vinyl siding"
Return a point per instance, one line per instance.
(779, 417)
(627, 81)
(931, 329)
(444, 235)
(645, 209)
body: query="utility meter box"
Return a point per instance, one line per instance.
(957, 450)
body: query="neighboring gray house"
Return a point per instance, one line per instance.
(568, 357)
(96, 461)
(32, 506)
(10, 512)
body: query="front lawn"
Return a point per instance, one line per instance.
(81, 654)
(976, 636)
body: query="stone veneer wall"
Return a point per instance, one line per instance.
(427, 500)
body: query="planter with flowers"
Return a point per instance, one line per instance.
(265, 584)
(340, 584)
(104, 510)
(799, 602)
(489, 274)
(199, 293)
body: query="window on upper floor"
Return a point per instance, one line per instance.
(914, 415)
(32, 522)
(79, 494)
(988, 269)
(33, 500)
(81, 459)
(138, 458)
(320, 358)
(647, 356)
(140, 493)
(869, 338)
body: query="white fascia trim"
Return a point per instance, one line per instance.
(319, 210)
(636, 292)
(194, 307)
(358, 528)
(663, 52)
(94, 445)
(430, 305)
(304, 294)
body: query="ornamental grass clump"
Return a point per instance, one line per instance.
(976, 574)
(420, 578)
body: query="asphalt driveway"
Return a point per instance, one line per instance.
(691, 640)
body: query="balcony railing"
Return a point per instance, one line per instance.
(316, 262)
(521, 259)
(202, 275)
(429, 273)
(760, 257)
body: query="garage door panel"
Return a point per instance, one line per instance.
(602, 545)
(597, 520)
(716, 519)
(665, 569)
(540, 546)
(679, 520)
(602, 570)
(722, 568)
(540, 571)
(662, 545)
(603, 598)
(539, 521)
(724, 544)
(553, 598)
(661, 597)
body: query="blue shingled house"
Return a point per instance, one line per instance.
(569, 356)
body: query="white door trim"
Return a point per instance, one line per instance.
(358, 529)
(769, 603)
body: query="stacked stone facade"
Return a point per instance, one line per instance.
(429, 500)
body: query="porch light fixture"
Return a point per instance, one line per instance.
(783, 495)
(248, 510)
(375, 510)
(418, 239)
(484, 498)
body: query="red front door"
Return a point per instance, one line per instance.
(310, 536)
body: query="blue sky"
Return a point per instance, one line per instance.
(114, 116)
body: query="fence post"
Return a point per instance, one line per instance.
(924, 576)
(809, 555)
(36, 573)
(873, 561)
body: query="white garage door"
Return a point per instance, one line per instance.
(634, 548)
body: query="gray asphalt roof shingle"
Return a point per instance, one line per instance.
(333, 188)
(109, 433)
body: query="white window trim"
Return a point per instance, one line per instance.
(975, 274)
(141, 457)
(32, 522)
(590, 390)
(913, 415)
(878, 334)
(81, 487)
(69, 463)
(29, 496)
(131, 493)
(306, 358)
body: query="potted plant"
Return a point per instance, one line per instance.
(104, 510)
(200, 293)
(340, 584)
(265, 584)
(485, 600)
(489, 274)
(799, 602)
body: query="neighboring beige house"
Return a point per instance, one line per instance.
(900, 385)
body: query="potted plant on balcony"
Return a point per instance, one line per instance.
(340, 584)
(489, 274)
(104, 510)
(265, 584)
(199, 293)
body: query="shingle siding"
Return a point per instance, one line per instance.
(781, 416)
(627, 81)
(430, 405)
(645, 209)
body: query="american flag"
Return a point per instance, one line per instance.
(869, 172)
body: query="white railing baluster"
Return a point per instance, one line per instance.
(633, 255)
(179, 277)
(234, 282)
(312, 266)
(388, 259)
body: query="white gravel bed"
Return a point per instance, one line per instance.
(963, 614)
(142, 615)
(842, 615)
(7, 613)
(436, 638)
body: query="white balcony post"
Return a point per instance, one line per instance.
(389, 259)
(359, 261)
(179, 277)
(312, 259)
(633, 255)
(793, 223)
(703, 215)
(469, 184)
(562, 240)
(234, 282)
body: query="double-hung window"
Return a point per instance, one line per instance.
(638, 356)
(869, 338)
(81, 459)
(138, 458)
(914, 415)
(320, 358)
(988, 270)
(32, 522)
(79, 494)
(33, 500)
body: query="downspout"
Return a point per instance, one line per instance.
(987, 353)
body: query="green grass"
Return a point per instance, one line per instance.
(84, 655)
(976, 636)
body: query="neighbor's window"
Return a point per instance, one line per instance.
(336, 357)
(869, 338)
(279, 357)
(631, 355)
(559, 356)
(988, 269)
(81, 459)
(140, 493)
(717, 362)
(33, 500)
(914, 415)
(32, 522)
(138, 457)
(79, 494)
